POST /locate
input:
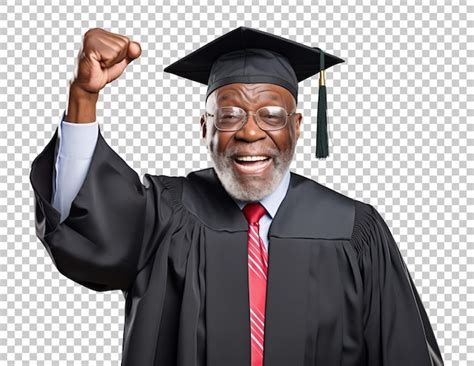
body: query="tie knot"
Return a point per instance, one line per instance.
(253, 212)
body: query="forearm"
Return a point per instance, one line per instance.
(82, 105)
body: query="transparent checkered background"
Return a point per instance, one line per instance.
(400, 118)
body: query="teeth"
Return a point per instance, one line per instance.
(251, 158)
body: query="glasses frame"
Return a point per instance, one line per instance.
(246, 118)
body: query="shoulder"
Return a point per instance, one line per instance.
(166, 189)
(316, 190)
(343, 214)
(370, 229)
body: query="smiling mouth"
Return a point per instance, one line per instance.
(252, 164)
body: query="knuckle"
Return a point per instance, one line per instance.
(124, 40)
(90, 30)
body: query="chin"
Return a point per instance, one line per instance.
(248, 187)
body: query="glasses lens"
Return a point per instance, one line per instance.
(272, 117)
(229, 118)
(269, 118)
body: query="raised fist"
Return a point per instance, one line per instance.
(103, 58)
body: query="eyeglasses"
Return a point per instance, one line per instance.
(268, 118)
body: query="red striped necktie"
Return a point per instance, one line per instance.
(257, 269)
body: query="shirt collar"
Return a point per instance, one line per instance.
(273, 200)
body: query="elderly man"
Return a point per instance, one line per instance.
(244, 263)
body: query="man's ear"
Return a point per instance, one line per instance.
(298, 120)
(203, 126)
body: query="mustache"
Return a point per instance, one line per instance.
(240, 150)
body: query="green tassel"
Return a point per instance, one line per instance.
(322, 147)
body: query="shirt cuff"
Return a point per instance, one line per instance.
(77, 140)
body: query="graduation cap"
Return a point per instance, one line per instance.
(247, 55)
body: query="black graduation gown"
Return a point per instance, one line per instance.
(338, 293)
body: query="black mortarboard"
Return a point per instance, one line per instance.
(247, 55)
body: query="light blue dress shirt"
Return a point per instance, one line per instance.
(76, 146)
(77, 142)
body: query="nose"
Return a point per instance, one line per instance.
(250, 131)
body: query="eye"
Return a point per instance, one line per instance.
(227, 115)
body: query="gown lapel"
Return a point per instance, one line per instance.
(227, 298)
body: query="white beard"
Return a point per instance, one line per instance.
(255, 189)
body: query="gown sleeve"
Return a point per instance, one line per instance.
(114, 223)
(397, 330)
